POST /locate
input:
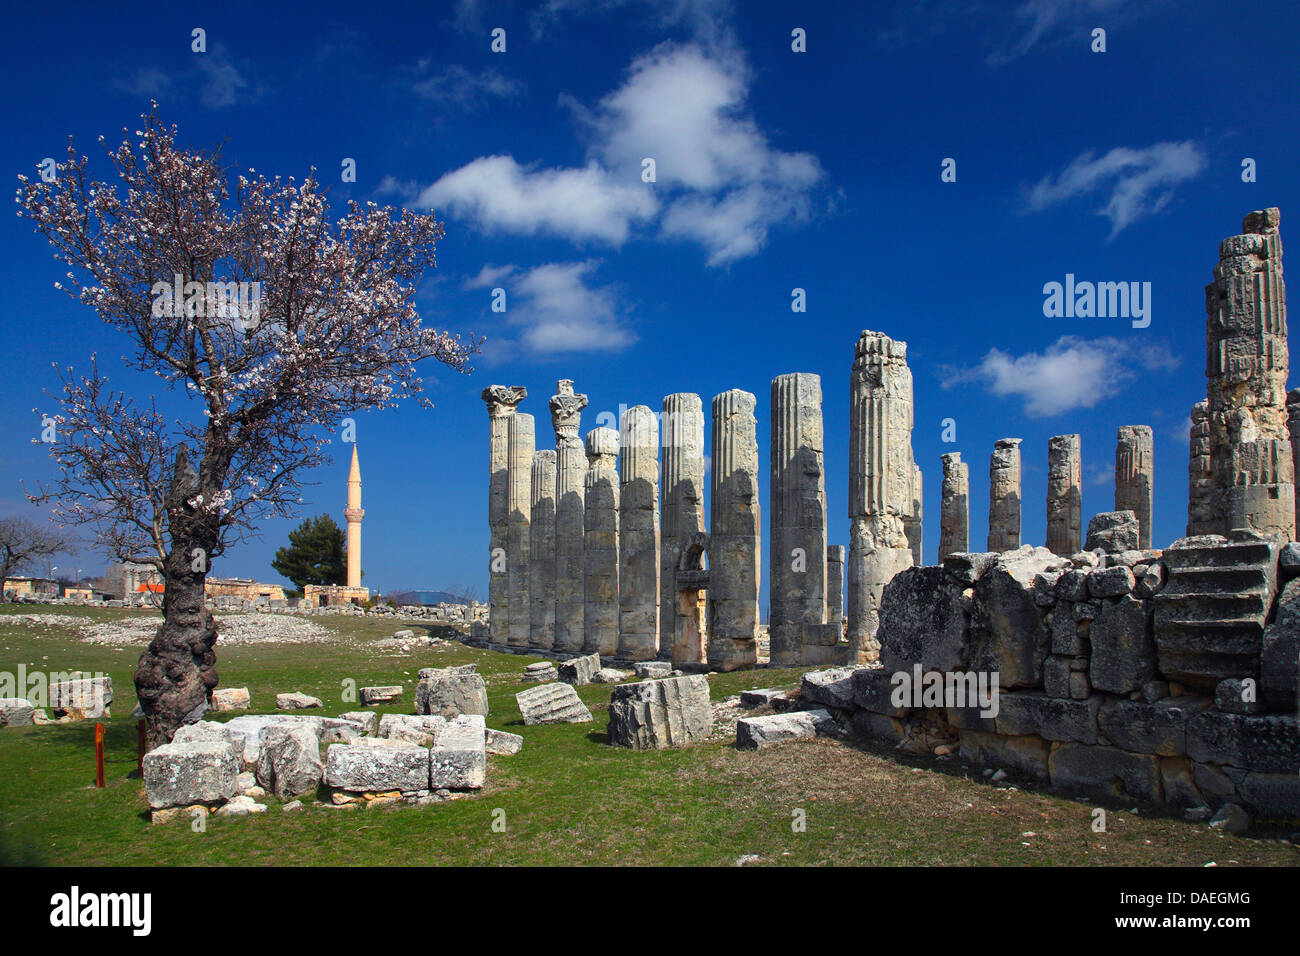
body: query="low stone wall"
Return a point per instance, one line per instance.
(1079, 648)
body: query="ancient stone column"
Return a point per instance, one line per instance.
(1004, 495)
(734, 554)
(600, 544)
(541, 567)
(1293, 426)
(521, 442)
(835, 584)
(1201, 518)
(954, 513)
(1135, 476)
(501, 403)
(1064, 495)
(682, 516)
(638, 535)
(1246, 343)
(912, 523)
(570, 473)
(881, 479)
(797, 490)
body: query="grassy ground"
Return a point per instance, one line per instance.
(567, 798)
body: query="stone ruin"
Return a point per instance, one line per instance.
(1166, 676)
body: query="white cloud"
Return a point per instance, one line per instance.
(719, 182)
(1135, 182)
(223, 84)
(458, 88)
(500, 195)
(557, 309)
(1181, 433)
(1069, 374)
(703, 19)
(1036, 19)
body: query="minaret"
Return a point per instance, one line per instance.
(354, 514)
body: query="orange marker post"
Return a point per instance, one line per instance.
(99, 755)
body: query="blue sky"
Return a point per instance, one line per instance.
(775, 170)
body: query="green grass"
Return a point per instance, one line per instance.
(568, 798)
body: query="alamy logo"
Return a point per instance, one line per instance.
(241, 302)
(74, 909)
(1101, 300)
(939, 689)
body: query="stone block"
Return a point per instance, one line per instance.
(552, 704)
(1235, 696)
(501, 743)
(290, 763)
(1072, 585)
(368, 769)
(873, 689)
(1105, 772)
(1110, 582)
(368, 720)
(1051, 718)
(370, 696)
(458, 760)
(16, 712)
(1123, 648)
(759, 696)
(877, 727)
(830, 688)
(662, 713)
(580, 670)
(1179, 784)
(1113, 532)
(1159, 728)
(922, 621)
(1279, 659)
(969, 566)
(1271, 796)
(178, 775)
(541, 672)
(755, 733)
(1056, 676)
(419, 729)
(450, 692)
(1269, 743)
(86, 698)
(649, 670)
(231, 698)
(1008, 634)
(296, 701)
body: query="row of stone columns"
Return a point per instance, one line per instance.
(1134, 483)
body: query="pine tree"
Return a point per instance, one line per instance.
(314, 554)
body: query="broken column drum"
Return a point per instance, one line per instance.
(1135, 476)
(1064, 495)
(1004, 495)
(954, 511)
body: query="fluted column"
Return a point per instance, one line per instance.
(570, 474)
(1064, 494)
(835, 584)
(638, 535)
(1247, 365)
(797, 490)
(1201, 518)
(1004, 495)
(913, 523)
(521, 440)
(1135, 476)
(541, 568)
(734, 534)
(881, 480)
(682, 517)
(954, 513)
(600, 544)
(1293, 426)
(501, 403)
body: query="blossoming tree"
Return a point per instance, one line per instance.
(272, 322)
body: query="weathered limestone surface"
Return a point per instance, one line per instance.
(521, 443)
(1004, 495)
(178, 775)
(82, 698)
(368, 769)
(1135, 476)
(450, 691)
(682, 520)
(552, 704)
(835, 584)
(371, 696)
(541, 561)
(16, 712)
(881, 481)
(580, 670)
(600, 542)
(1247, 363)
(501, 404)
(570, 476)
(1113, 532)
(638, 535)
(755, 733)
(1200, 478)
(1293, 429)
(734, 557)
(954, 509)
(657, 714)
(290, 763)
(913, 523)
(797, 564)
(458, 759)
(1064, 494)
(231, 698)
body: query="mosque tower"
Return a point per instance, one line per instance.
(354, 514)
